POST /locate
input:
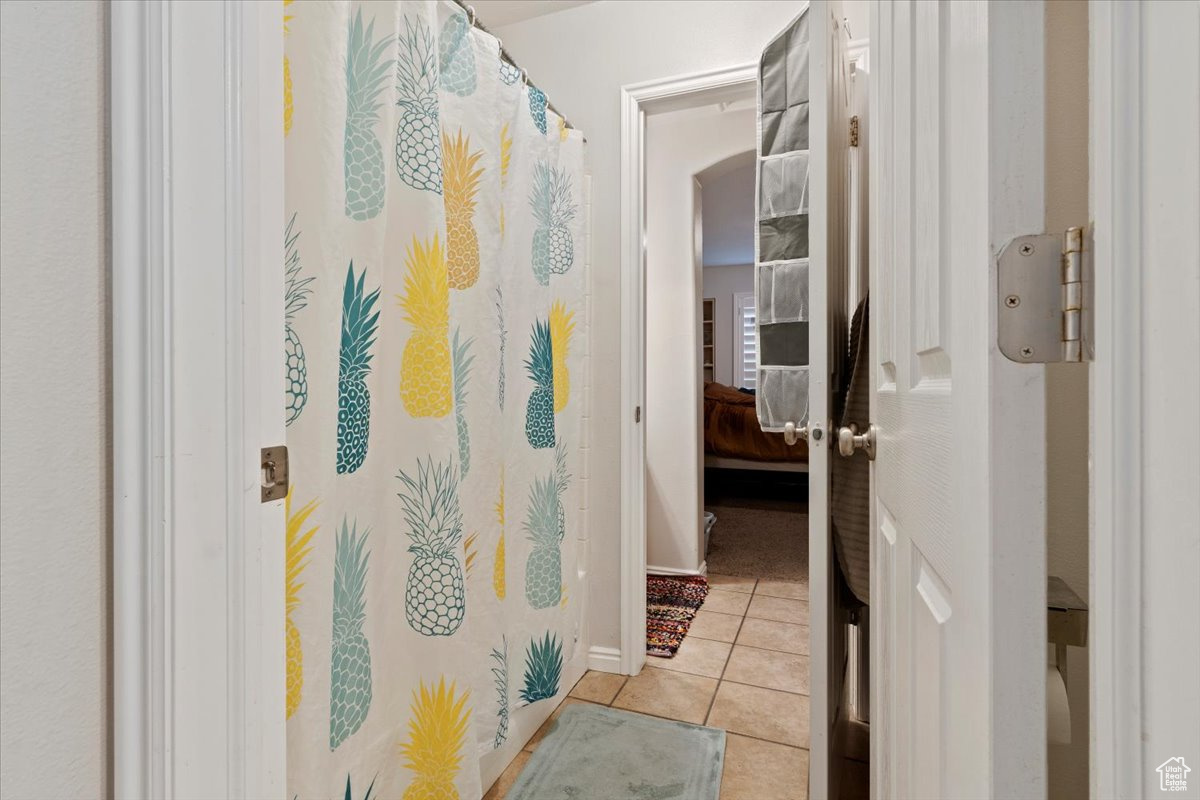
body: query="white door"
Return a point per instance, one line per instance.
(958, 543)
(829, 131)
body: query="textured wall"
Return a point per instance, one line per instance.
(54, 400)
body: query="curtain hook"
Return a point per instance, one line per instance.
(524, 77)
(471, 15)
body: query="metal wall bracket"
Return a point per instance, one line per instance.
(274, 473)
(1044, 298)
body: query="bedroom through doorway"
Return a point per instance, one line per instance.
(726, 503)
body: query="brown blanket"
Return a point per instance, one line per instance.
(731, 429)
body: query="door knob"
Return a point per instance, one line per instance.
(792, 434)
(849, 440)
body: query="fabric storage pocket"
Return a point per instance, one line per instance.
(782, 397)
(783, 185)
(781, 291)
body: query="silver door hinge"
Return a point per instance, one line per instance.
(854, 131)
(1045, 290)
(274, 473)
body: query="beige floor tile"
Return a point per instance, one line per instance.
(731, 583)
(674, 695)
(724, 602)
(786, 672)
(549, 724)
(762, 713)
(718, 627)
(770, 635)
(787, 589)
(779, 609)
(598, 687)
(696, 657)
(507, 778)
(757, 770)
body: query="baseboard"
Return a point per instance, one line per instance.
(652, 570)
(604, 659)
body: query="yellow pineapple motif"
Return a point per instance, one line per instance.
(506, 143)
(287, 78)
(425, 375)
(470, 552)
(297, 552)
(562, 130)
(562, 325)
(435, 738)
(460, 184)
(498, 582)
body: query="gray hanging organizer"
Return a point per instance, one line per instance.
(781, 240)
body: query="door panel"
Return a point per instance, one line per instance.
(829, 175)
(958, 557)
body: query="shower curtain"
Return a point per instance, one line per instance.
(434, 335)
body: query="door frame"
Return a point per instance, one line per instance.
(638, 99)
(197, 574)
(1135, 670)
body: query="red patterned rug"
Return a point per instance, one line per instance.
(671, 605)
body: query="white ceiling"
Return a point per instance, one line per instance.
(498, 13)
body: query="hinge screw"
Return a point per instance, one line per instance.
(1026, 249)
(1012, 301)
(1027, 352)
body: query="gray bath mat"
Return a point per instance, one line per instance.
(597, 752)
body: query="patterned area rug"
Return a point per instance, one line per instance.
(671, 605)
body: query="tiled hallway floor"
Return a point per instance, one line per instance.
(743, 667)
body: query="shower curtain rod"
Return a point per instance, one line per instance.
(474, 20)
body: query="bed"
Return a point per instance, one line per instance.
(734, 440)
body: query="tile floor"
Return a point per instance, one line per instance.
(743, 667)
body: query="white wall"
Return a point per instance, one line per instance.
(679, 145)
(581, 57)
(54, 406)
(721, 284)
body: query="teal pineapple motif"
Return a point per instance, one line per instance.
(456, 56)
(461, 355)
(418, 134)
(543, 667)
(350, 794)
(508, 73)
(354, 399)
(500, 679)
(366, 70)
(550, 199)
(537, 107)
(350, 674)
(539, 412)
(546, 525)
(503, 333)
(435, 597)
(294, 300)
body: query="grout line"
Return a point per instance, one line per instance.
(725, 666)
(768, 688)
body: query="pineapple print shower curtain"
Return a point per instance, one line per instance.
(434, 332)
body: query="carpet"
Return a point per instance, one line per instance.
(757, 542)
(671, 605)
(595, 752)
